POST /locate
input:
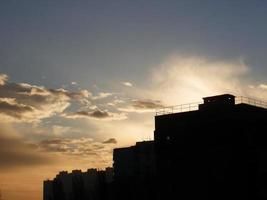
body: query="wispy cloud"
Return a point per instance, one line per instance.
(77, 147)
(186, 78)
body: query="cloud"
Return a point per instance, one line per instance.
(258, 91)
(54, 145)
(263, 86)
(76, 147)
(110, 141)
(102, 95)
(128, 84)
(22, 102)
(74, 83)
(15, 153)
(96, 114)
(9, 109)
(141, 106)
(147, 104)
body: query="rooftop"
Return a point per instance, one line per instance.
(218, 100)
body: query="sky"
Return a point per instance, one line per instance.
(79, 78)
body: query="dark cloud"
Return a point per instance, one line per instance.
(15, 153)
(142, 106)
(54, 145)
(147, 104)
(96, 114)
(110, 141)
(14, 110)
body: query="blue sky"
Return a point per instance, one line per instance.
(78, 78)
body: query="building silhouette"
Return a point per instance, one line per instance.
(213, 150)
(218, 151)
(78, 185)
(135, 171)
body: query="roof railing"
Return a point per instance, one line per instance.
(250, 101)
(195, 106)
(177, 108)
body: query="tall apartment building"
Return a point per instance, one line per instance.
(217, 150)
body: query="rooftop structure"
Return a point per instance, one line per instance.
(219, 100)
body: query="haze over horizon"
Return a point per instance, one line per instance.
(79, 78)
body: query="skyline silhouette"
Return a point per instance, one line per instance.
(215, 151)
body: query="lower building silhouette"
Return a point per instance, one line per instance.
(135, 171)
(213, 150)
(78, 185)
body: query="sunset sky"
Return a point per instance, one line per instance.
(78, 78)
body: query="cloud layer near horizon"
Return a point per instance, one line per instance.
(77, 147)
(15, 152)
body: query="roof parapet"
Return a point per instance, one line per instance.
(221, 101)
